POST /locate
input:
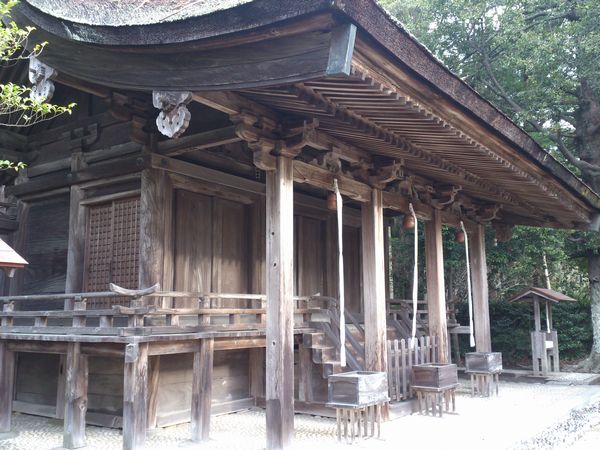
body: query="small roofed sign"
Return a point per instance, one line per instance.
(10, 260)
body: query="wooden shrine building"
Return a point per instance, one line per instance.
(206, 139)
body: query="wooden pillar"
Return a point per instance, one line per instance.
(154, 210)
(153, 380)
(537, 318)
(305, 381)
(373, 270)
(75, 397)
(436, 292)
(481, 309)
(76, 245)
(280, 305)
(7, 382)
(135, 387)
(202, 390)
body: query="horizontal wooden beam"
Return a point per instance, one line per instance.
(323, 178)
(107, 169)
(199, 141)
(206, 174)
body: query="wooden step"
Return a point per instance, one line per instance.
(313, 339)
(323, 354)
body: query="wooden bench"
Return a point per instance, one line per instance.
(433, 398)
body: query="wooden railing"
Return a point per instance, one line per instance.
(143, 317)
(401, 358)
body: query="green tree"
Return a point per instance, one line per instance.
(538, 61)
(17, 107)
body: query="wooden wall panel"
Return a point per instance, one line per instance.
(310, 256)
(37, 378)
(192, 243)
(352, 269)
(45, 244)
(230, 382)
(232, 262)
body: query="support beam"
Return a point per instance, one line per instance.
(135, 387)
(373, 270)
(280, 305)
(202, 390)
(481, 309)
(7, 382)
(75, 397)
(436, 291)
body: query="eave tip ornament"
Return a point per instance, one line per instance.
(41, 76)
(174, 117)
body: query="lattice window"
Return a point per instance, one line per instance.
(112, 248)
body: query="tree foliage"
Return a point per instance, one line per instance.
(538, 61)
(17, 108)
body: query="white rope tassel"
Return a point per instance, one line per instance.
(340, 228)
(415, 290)
(469, 292)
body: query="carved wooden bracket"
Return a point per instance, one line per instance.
(263, 136)
(503, 231)
(487, 213)
(444, 195)
(41, 76)
(387, 174)
(174, 117)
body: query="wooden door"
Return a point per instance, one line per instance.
(211, 242)
(112, 248)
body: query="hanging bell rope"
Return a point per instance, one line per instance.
(469, 290)
(340, 230)
(415, 290)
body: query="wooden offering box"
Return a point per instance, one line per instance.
(434, 375)
(483, 362)
(358, 388)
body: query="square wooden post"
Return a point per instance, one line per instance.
(436, 291)
(7, 382)
(202, 390)
(481, 309)
(280, 305)
(373, 270)
(76, 384)
(135, 387)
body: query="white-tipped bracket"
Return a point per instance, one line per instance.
(174, 117)
(41, 76)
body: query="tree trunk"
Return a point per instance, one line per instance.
(594, 271)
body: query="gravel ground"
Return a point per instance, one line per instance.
(524, 416)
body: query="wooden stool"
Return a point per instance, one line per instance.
(432, 399)
(357, 420)
(484, 383)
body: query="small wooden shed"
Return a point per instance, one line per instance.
(544, 343)
(10, 260)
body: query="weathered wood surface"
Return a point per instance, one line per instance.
(76, 387)
(280, 313)
(7, 380)
(373, 271)
(135, 392)
(401, 357)
(202, 379)
(152, 227)
(436, 293)
(481, 309)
